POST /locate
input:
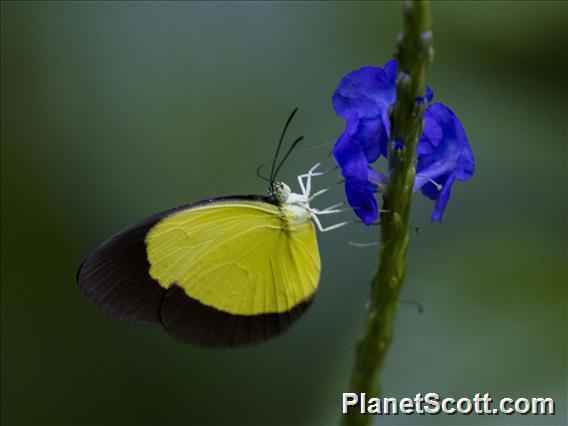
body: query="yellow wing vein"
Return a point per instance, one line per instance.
(234, 261)
(301, 244)
(203, 246)
(211, 246)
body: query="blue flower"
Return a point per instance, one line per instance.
(363, 99)
(444, 156)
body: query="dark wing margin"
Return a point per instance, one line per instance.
(192, 322)
(115, 276)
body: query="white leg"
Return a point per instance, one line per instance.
(320, 212)
(313, 169)
(332, 227)
(301, 182)
(309, 179)
(330, 210)
(306, 189)
(322, 191)
(311, 173)
(334, 206)
(329, 228)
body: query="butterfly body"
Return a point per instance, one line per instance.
(295, 209)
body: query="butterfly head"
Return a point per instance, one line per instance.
(279, 192)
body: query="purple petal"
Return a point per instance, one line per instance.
(443, 147)
(362, 201)
(372, 135)
(391, 68)
(429, 94)
(364, 93)
(443, 199)
(444, 155)
(432, 134)
(430, 189)
(351, 159)
(377, 178)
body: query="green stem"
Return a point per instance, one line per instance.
(414, 54)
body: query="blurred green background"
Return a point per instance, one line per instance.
(114, 111)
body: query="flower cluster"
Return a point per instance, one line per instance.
(363, 99)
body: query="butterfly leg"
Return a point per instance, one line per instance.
(311, 173)
(306, 189)
(335, 211)
(330, 209)
(318, 193)
(335, 206)
(329, 228)
(301, 182)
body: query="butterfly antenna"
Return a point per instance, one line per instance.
(258, 169)
(272, 172)
(296, 142)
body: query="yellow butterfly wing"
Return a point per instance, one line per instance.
(236, 256)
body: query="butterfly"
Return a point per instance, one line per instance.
(222, 272)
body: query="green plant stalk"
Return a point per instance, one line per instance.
(414, 54)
